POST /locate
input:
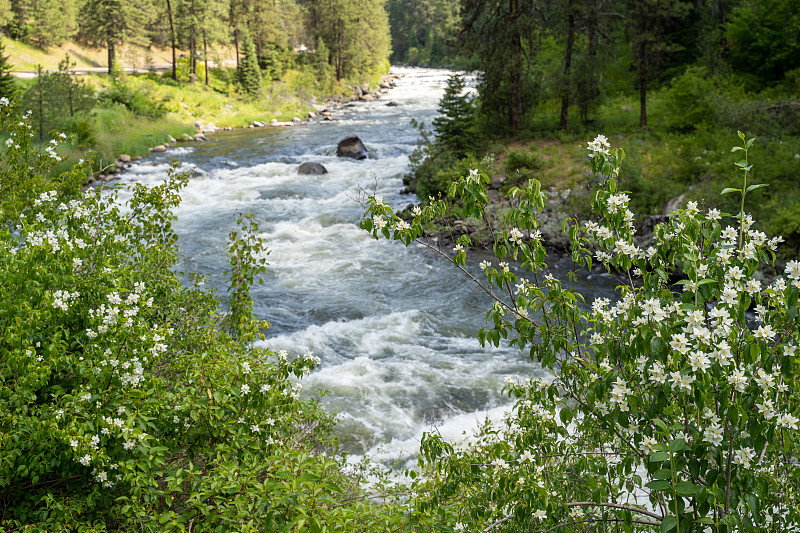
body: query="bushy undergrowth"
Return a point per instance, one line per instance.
(673, 407)
(124, 403)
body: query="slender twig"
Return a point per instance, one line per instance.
(615, 506)
(502, 520)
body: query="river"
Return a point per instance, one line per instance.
(395, 327)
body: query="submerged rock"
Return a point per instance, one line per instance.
(352, 147)
(312, 169)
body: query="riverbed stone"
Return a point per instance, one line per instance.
(314, 169)
(159, 148)
(497, 181)
(125, 158)
(200, 137)
(352, 147)
(186, 137)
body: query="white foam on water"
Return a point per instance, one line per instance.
(458, 430)
(391, 375)
(394, 333)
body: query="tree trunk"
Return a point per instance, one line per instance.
(111, 56)
(515, 65)
(588, 92)
(565, 84)
(205, 55)
(236, 46)
(193, 55)
(642, 87)
(172, 40)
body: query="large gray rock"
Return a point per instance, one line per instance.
(312, 169)
(352, 147)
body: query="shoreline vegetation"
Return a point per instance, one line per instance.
(132, 114)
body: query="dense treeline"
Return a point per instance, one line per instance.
(582, 51)
(350, 37)
(674, 74)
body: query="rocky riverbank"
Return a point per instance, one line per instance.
(319, 112)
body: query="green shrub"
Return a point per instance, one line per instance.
(123, 405)
(135, 101)
(522, 162)
(669, 407)
(83, 130)
(690, 100)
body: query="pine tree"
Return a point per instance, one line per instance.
(249, 72)
(455, 127)
(113, 23)
(356, 34)
(8, 85)
(51, 22)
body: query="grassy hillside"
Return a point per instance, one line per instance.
(26, 57)
(132, 112)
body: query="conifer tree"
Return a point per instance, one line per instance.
(249, 72)
(456, 128)
(8, 85)
(114, 22)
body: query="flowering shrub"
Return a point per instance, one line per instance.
(673, 408)
(123, 403)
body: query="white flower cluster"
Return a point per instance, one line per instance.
(599, 145)
(51, 152)
(63, 299)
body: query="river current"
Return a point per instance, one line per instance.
(395, 327)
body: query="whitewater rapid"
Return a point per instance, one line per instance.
(395, 327)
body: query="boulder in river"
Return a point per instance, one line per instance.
(352, 147)
(312, 169)
(391, 104)
(159, 148)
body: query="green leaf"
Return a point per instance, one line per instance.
(728, 190)
(659, 457)
(749, 142)
(660, 423)
(757, 186)
(678, 445)
(659, 484)
(687, 489)
(736, 148)
(664, 473)
(669, 523)
(741, 135)
(755, 506)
